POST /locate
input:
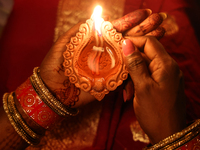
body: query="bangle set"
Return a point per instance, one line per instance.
(35, 108)
(48, 98)
(38, 103)
(178, 139)
(17, 121)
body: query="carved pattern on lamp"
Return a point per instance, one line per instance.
(91, 68)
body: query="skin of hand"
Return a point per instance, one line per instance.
(159, 99)
(52, 71)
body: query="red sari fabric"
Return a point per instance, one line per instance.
(26, 39)
(29, 35)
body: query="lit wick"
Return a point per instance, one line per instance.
(96, 17)
(98, 49)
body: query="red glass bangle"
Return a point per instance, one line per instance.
(34, 106)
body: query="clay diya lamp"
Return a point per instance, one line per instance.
(93, 59)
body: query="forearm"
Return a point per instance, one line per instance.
(18, 129)
(9, 139)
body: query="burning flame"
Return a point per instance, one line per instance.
(96, 16)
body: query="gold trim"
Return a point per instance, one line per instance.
(48, 98)
(18, 118)
(23, 130)
(178, 139)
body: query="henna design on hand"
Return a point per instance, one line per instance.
(148, 25)
(130, 20)
(153, 21)
(60, 69)
(68, 95)
(158, 33)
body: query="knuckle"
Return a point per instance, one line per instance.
(156, 19)
(134, 62)
(175, 66)
(158, 33)
(172, 65)
(144, 87)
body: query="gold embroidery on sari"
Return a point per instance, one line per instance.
(138, 133)
(70, 12)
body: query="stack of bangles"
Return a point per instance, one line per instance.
(33, 101)
(187, 139)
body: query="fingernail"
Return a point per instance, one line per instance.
(163, 15)
(124, 95)
(128, 47)
(149, 11)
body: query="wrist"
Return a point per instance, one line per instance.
(32, 109)
(34, 106)
(191, 134)
(60, 87)
(166, 128)
(17, 122)
(32, 124)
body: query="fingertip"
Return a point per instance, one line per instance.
(149, 11)
(128, 47)
(163, 15)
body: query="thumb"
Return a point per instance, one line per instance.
(135, 63)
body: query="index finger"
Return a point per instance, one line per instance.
(150, 45)
(131, 20)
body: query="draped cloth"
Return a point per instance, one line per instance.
(29, 35)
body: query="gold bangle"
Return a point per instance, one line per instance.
(43, 97)
(14, 112)
(191, 135)
(16, 125)
(13, 123)
(179, 138)
(48, 98)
